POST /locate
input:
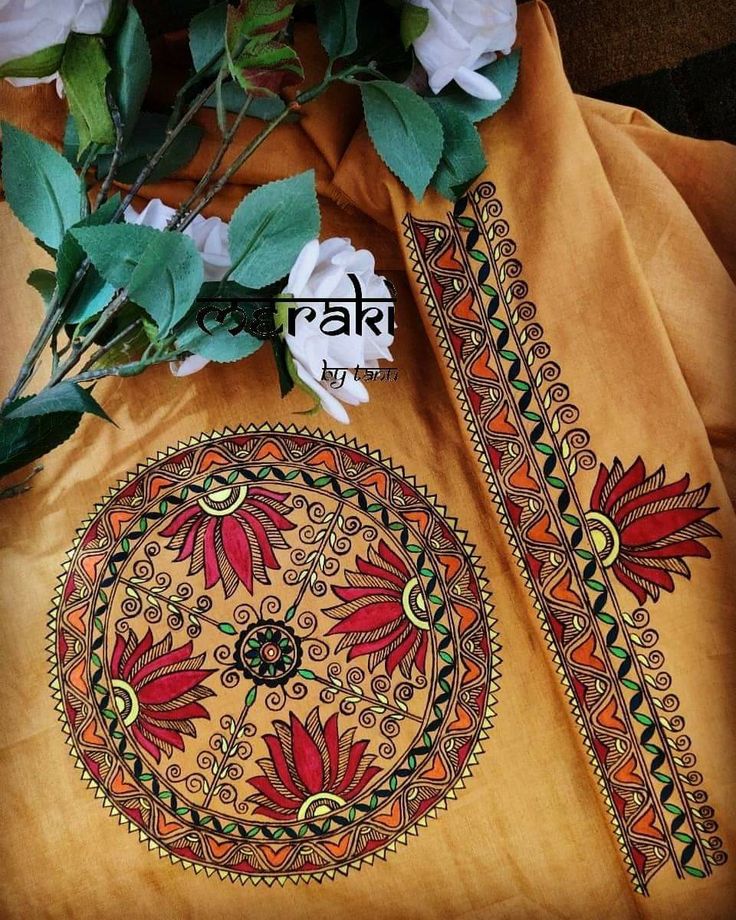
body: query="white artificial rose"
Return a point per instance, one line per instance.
(28, 26)
(321, 272)
(462, 36)
(210, 236)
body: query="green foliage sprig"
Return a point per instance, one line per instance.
(123, 297)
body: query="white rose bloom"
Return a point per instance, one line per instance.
(320, 272)
(210, 236)
(28, 26)
(461, 36)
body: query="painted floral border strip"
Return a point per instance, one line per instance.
(636, 528)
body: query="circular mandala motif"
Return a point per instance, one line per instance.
(273, 654)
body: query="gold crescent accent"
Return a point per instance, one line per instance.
(124, 689)
(606, 528)
(320, 809)
(406, 604)
(223, 495)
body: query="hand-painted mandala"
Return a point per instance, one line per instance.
(273, 654)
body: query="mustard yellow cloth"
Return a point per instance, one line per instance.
(603, 248)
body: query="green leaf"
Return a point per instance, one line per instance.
(265, 67)
(233, 99)
(162, 270)
(269, 228)
(41, 63)
(23, 440)
(256, 59)
(44, 282)
(40, 186)
(207, 35)
(84, 69)
(94, 293)
(405, 132)
(64, 397)
(336, 21)
(131, 69)
(504, 73)
(280, 352)
(414, 20)
(221, 346)
(147, 137)
(462, 152)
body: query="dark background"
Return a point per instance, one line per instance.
(674, 59)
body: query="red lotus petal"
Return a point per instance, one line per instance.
(634, 476)
(655, 495)
(674, 550)
(653, 527)
(283, 523)
(117, 654)
(163, 661)
(140, 650)
(368, 618)
(357, 751)
(380, 643)
(390, 556)
(261, 536)
(264, 786)
(260, 492)
(282, 765)
(190, 541)
(595, 498)
(238, 549)
(349, 593)
(421, 653)
(307, 757)
(211, 565)
(367, 568)
(659, 577)
(189, 711)
(181, 519)
(636, 589)
(362, 783)
(167, 735)
(400, 652)
(145, 743)
(168, 688)
(273, 814)
(332, 740)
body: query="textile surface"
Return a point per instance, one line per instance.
(565, 338)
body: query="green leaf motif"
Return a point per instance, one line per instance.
(162, 271)
(405, 132)
(503, 72)
(84, 70)
(64, 397)
(23, 440)
(414, 20)
(131, 69)
(336, 21)
(41, 63)
(269, 228)
(462, 158)
(40, 185)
